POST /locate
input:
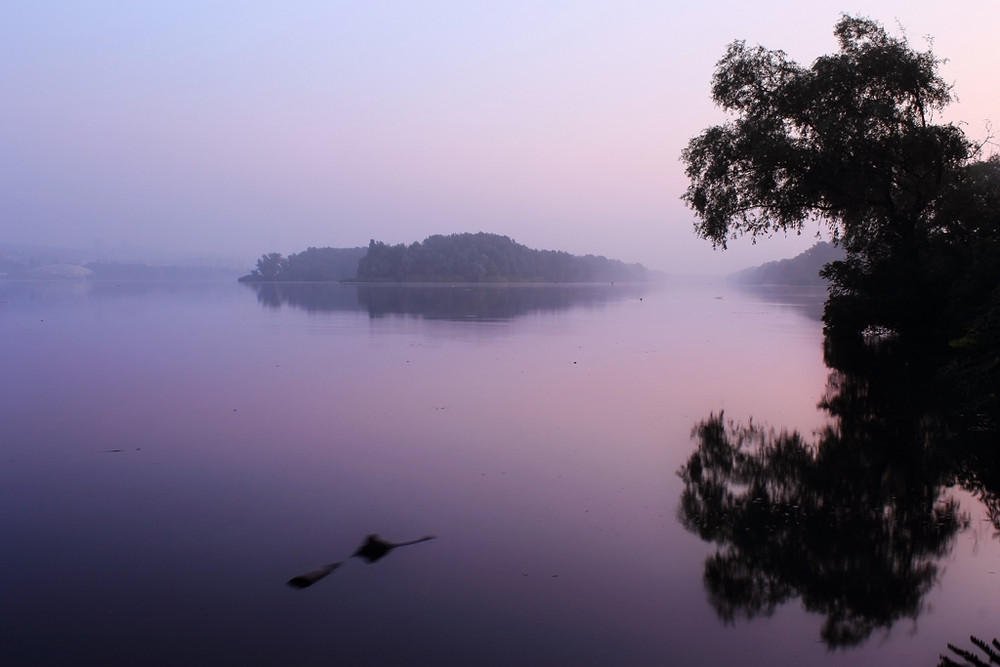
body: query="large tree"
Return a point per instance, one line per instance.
(852, 142)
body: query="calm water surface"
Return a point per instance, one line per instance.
(171, 454)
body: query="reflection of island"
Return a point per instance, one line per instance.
(855, 523)
(311, 297)
(449, 302)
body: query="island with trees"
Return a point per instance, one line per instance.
(310, 265)
(456, 258)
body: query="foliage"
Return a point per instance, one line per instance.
(458, 258)
(855, 522)
(310, 265)
(851, 142)
(848, 140)
(485, 258)
(992, 653)
(269, 267)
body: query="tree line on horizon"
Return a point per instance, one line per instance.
(455, 258)
(804, 269)
(310, 265)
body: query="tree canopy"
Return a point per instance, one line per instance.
(485, 258)
(465, 258)
(310, 265)
(852, 142)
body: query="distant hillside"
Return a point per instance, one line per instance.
(457, 258)
(802, 269)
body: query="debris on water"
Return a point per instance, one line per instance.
(375, 547)
(312, 576)
(372, 550)
(108, 451)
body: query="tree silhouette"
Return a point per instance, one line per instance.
(853, 523)
(992, 654)
(852, 142)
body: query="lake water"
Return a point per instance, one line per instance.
(170, 455)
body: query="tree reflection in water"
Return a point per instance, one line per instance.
(853, 521)
(482, 302)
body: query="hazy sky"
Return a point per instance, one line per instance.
(235, 128)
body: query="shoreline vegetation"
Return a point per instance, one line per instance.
(912, 203)
(911, 335)
(456, 258)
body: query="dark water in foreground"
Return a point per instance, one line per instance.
(171, 455)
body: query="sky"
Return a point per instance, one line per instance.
(231, 129)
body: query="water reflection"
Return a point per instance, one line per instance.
(309, 578)
(375, 548)
(854, 521)
(53, 292)
(311, 297)
(448, 302)
(807, 300)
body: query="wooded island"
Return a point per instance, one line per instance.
(456, 258)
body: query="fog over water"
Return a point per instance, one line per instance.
(183, 129)
(207, 472)
(171, 455)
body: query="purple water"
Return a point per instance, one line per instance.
(171, 454)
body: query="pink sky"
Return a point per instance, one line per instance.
(247, 127)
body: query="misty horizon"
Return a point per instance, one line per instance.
(181, 130)
(130, 254)
(278, 276)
